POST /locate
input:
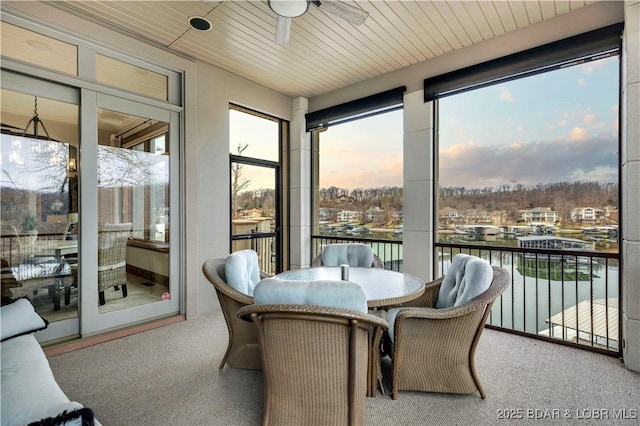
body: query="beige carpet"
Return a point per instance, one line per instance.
(170, 376)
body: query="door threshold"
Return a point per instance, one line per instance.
(68, 346)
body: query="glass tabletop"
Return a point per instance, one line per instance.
(381, 287)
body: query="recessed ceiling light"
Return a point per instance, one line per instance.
(200, 23)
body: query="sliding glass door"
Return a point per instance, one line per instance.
(88, 207)
(130, 244)
(89, 186)
(39, 195)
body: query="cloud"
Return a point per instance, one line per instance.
(590, 119)
(563, 121)
(600, 174)
(578, 134)
(354, 169)
(507, 96)
(582, 82)
(479, 166)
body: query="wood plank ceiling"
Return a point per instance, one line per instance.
(325, 52)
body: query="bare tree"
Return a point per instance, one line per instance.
(238, 183)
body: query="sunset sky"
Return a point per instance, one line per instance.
(558, 126)
(553, 127)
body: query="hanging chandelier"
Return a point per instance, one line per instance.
(36, 122)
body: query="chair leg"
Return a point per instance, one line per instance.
(101, 298)
(124, 290)
(56, 299)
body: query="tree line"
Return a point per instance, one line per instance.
(559, 196)
(524, 196)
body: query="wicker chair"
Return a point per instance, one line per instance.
(315, 362)
(433, 350)
(112, 257)
(243, 348)
(376, 263)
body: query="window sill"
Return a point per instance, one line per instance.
(149, 245)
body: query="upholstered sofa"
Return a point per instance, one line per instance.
(30, 393)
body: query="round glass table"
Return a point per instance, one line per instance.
(381, 287)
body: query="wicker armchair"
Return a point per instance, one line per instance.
(112, 257)
(243, 348)
(376, 263)
(433, 350)
(315, 362)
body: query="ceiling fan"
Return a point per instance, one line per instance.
(287, 9)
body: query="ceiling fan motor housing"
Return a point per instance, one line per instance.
(289, 8)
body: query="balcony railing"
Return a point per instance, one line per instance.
(264, 245)
(564, 296)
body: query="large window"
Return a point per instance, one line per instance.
(359, 178)
(256, 191)
(537, 156)
(527, 177)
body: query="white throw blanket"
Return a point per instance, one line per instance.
(41, 270)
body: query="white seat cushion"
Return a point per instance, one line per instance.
(333, 294)
(355, 254)
(467, 278)
(242, 271)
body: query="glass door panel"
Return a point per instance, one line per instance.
(39, 195)
(133, 211)
(254, 214)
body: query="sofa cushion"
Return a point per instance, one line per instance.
(242, 271)
(467, 277)
(354, 254)
(29, 390)
(18, 318)
(334, 294)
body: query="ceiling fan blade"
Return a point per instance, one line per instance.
(283, 30)
(351, 14)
